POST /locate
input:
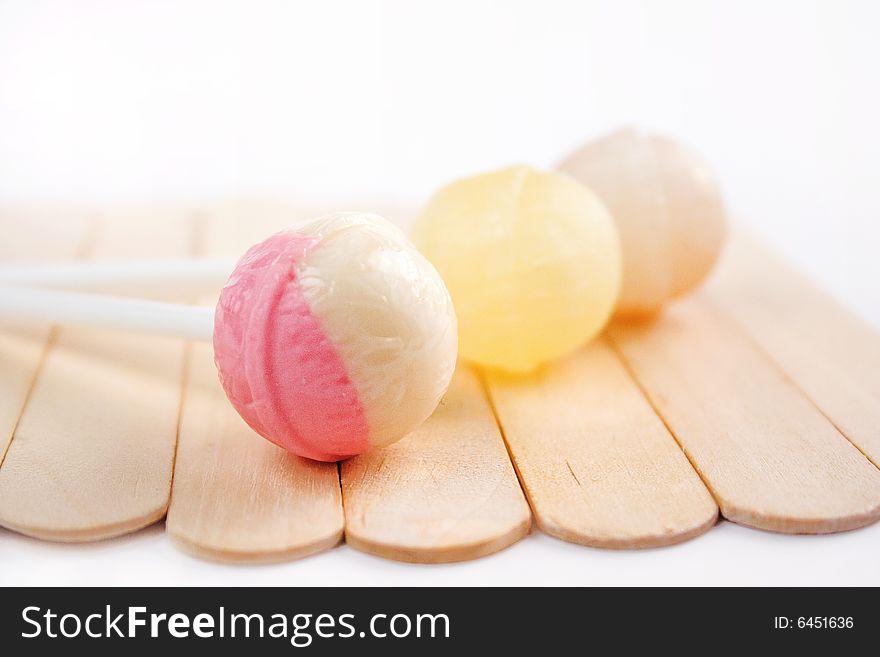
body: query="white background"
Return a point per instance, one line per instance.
(124, 102)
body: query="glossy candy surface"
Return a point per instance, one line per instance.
(532, 262)
(668, 209)
(335, 337)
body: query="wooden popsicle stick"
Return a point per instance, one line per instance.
(831, 354)
(92, 453)
(597, 464)
(30, 235)
(771, 459)
(447, 492)
(236, 496)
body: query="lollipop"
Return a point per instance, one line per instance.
(667, 207)
(329, 339)
(531, 259)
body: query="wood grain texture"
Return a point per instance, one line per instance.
(236, 496)
(30, 235)
(447, 492)
(771, 459)
(92, 453)
(597, 464)
(831, 354)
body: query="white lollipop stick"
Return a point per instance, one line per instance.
(183, 278)
(83, 309)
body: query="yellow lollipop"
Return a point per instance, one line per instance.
(532, 261)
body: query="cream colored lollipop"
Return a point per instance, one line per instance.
(667, 207)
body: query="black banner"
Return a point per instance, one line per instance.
(434, 621)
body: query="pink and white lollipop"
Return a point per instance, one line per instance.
(329, 338)
(334, 338)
